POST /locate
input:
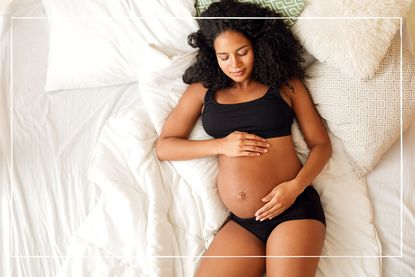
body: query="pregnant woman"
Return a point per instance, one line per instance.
(247, 85)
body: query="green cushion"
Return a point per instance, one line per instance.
(291, 8)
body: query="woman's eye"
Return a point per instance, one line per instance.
(243, 53)
(223, 58)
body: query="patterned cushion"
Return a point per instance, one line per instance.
(365, 115)
(287, 8)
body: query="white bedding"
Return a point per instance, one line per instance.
(394, 216)
(179, 206)
(62, 222)
(53, 139)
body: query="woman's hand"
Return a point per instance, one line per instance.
(238, 144)
(278, 200)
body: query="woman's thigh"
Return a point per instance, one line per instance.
(233, 240)
(302, 237)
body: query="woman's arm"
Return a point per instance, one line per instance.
(314, 133)
(173, 143)
(283, 195)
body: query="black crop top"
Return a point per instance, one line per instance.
(267, 116)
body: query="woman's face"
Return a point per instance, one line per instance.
(235, 55)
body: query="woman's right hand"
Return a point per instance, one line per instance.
(238, 144)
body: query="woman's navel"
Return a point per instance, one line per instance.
(241, 195)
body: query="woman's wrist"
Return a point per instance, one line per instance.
(218, 146)
(300, 184)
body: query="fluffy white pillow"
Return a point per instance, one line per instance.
(354, 46)
(365, 115)
(99, 43)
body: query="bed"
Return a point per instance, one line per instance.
(84, 193)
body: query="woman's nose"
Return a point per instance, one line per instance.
(235, 62)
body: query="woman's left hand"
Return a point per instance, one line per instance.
(278, 200)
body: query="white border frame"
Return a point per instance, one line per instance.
(12, 18)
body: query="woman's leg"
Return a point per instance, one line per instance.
(233, 240)
(303, 237)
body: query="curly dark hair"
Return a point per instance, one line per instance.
(277, 53)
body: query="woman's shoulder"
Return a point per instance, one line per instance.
(196, 90)
(197, 87)
(194, 94)
(291, 89)
(292, 86)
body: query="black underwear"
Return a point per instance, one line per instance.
(306, 206)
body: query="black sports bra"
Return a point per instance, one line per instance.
(267, 116)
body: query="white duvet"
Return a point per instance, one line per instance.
(156, 218)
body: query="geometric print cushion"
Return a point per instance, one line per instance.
(365, 114)
(287, 8)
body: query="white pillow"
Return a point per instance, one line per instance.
(354, 46)
(365, 115)
(350, 229)
(161, 87)
(99, 43)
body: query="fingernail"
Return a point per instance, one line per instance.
(262, 219)
(257, 218)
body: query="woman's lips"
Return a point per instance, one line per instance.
(238, 73)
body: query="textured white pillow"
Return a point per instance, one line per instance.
(365, 115)
(355, 46)
(99, 43)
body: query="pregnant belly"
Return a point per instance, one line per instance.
(244, 181)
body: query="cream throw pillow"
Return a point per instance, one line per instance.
(354, 46)
(365, 115)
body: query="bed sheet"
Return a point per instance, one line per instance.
(385, 188)
(394, 214)
(53, 139)
(4, 152)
